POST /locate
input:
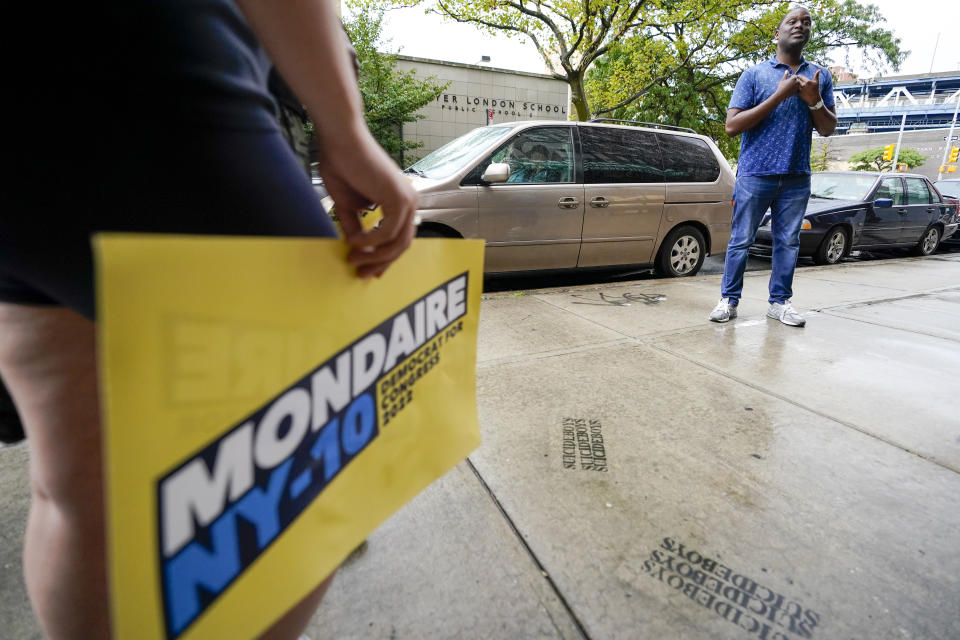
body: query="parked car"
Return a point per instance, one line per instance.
(868, 210)
(950, 190)
(574, 195)
(949, 187)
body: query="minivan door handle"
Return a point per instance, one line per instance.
(568, 203)
(600, 202)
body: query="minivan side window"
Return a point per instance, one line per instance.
(616, 156)
(687, 159)
(536, 156)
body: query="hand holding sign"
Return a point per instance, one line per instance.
(353, 189)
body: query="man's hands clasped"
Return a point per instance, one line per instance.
(808, 89)
(788, 85)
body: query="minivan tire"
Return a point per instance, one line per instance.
(682, 253)
(430, 232)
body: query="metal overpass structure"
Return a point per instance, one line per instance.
(878, 105)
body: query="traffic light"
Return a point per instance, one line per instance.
(888, 151)
(954, 152)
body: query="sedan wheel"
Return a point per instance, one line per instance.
(833, 247)
(928, 243)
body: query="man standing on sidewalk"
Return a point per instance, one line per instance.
(776, 105)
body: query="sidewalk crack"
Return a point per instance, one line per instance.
(792, 401)
(533, 556)
(839, 314)
(872, 301)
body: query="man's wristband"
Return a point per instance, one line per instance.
(819, 105)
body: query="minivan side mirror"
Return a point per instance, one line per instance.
(496, 172)
(883, 203)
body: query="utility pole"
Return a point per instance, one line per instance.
(934, 52)
(949, 141)
(896, 154)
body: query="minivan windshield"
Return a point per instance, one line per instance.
(452, 156)
(841, 186)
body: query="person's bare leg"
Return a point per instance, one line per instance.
(48, 361)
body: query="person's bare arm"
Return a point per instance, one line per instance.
(305, 41)
(739, 120)
(824, 118)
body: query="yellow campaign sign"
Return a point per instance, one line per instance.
(265, 410)
(369, 217)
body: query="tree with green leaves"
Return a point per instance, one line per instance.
(820, 154)
(682, 72)
(678, 51)
(570, 35)
(390, 97)
(872, 159)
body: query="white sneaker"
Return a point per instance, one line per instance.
(724, 311)
(786, 314)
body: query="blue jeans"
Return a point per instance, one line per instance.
(786, 196)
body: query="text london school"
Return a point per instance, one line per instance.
(467, 102)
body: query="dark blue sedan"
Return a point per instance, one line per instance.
(868, 210)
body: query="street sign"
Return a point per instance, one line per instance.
(951, 138)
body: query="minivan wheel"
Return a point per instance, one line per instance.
(833, 247)
(430, 232)
(928, 242)
(682, 253)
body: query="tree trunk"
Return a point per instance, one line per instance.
(578, 96)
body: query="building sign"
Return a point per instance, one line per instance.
(476, 96)
(502, 106)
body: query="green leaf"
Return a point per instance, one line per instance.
(390, 97)
(872, 159)
(665, 61)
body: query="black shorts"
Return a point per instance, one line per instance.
(155, 118)
(192, 181)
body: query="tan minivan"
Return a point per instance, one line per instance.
(563, 195)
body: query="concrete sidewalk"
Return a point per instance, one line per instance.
(648, 474)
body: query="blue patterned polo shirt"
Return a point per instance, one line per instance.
(780, 144)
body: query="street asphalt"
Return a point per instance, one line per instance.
(645, 473)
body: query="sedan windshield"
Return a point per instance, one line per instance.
(452, 156)
(840, 186)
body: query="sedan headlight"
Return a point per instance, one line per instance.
(806, 225)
